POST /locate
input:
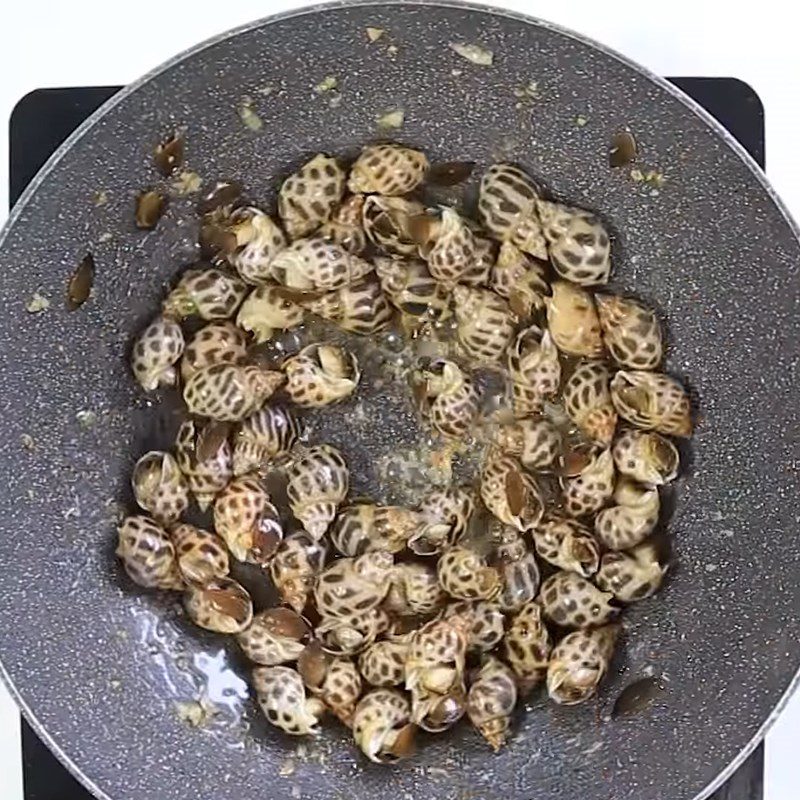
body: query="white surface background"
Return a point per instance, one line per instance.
(56, 43)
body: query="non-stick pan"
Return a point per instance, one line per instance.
(108, 674)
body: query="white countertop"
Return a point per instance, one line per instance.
(86, 42)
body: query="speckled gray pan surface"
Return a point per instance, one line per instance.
(99, 666)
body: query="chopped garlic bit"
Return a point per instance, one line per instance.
(37, 303)
(391, 120)
(327, 84)
(187, 183)
(637, 176)
(86, 419)
(101, 197)
(249, 117)
(474, 53)
(392, 49)
(28, 442)
(373, 34)
(196, 713)
(581, 121)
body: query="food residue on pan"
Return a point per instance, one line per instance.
(440, 438)
(373, 34)
(100, 198)
(86, 418)
(328, 84)
(28, 442)
(391, 120)
(248, 116)
(187, 183)
(473, 53)
(37, 303)
(168, 155)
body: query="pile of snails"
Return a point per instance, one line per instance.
(395, 618)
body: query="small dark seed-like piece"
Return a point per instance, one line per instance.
(450, 173)
(222, 193)
(149, 208)
(168, 155)
(637, 696)
(80, 283)
(623, 149)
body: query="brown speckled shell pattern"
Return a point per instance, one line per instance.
(341, 689)
(383, 220)
(205, 609)
(507, 208)
(317, 482)
(215, 343)
(246, 519)
(294, 569)
(383, 663)
(577, 242)
(535, 370)
(453, 250)
(308, 197)
(515, 273)
(201, 555)
(520, 579)
(412, 289)
(485, 324)
(465, 575)
(535, 441)
(155, 353)
(415, 591)
(661, 403)
(592, 488)
(209, 294)
(574, 602)
(260, 239)
(485, 623)
(282, 697)
(631, 332)
(147, 553)
(205, 478)
(361, 308)
(453, 411)
(363, 527)
(453, 507)
(379, 716)
(388, 169)
(345, 227)
(229, 392)
(587, 400)
(527, 645)
(573, 322)
(160, 487)
(491, 701)
(348, 635)
(316, 264)
(646, 456)
(494, 477)
(578, 663)
(631, 576)
(310, 383)
(437, 647)
(265, 645)
(630, 521)
(266, 435)
(343, 591)
(568, 545)
(265, 310)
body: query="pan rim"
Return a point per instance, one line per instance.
(466, 5)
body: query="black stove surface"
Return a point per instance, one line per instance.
(44, 118)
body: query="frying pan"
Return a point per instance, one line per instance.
(98, 666)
